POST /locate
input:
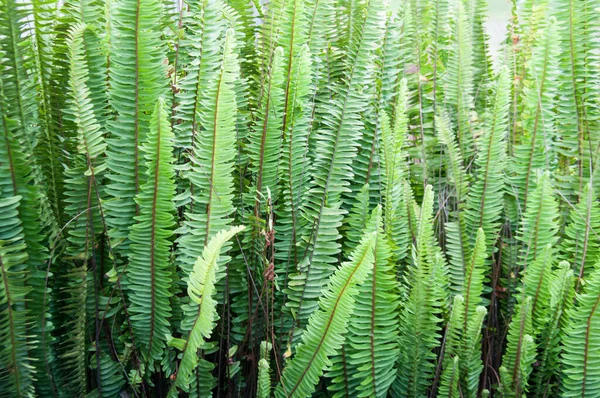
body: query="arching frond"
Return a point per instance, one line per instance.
(200, 314)
(327, 327)
(371, 347)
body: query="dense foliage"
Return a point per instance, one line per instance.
(298, 198)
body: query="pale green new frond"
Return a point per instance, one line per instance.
(471, 365)
(420, 318)
(394, 160)
(327, 327)
(458, 247)
(562, 294)
(201, 312)
(449, 386)
(458, 176)
(455, 329)
(474, 278)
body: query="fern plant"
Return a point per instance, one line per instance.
(298, 198)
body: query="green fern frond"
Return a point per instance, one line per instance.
(562, 294)
(482, 62)
(484, 203)
(264, 146)
(371, 346)
(264, 371)
(517, 359)
(459, 80)
(337, 142)
(580, 356)
(83, 182)
(200, 49)
(18, 180)
(327, 327)
(577, 112)
(458, 247)
(200, 314)
(212, 160)
(294, 162)
(580, 245)
(534, 153)
(454, 332)
(149, 266)
(536, 286)
(539, 224)
(472, 364)
(474, 278)
(420, 318)
(449, 386)
(45, 14)
(138, 79)
(395, 170)
(16, 370)
(111, 376)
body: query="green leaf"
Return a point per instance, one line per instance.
(327, 326)
(201, 313)
(138, 79)
(149, 266)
